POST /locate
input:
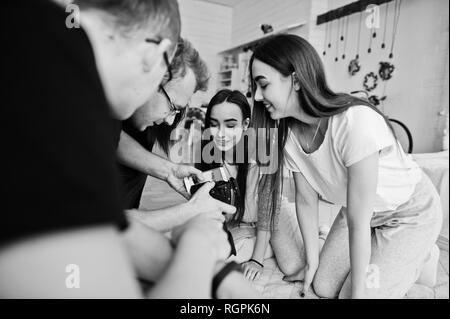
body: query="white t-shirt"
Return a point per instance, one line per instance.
(352, 136)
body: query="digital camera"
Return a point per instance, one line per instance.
(225, 189)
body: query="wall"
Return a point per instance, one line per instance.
(418, 92)
(208, 27)
(248, 16)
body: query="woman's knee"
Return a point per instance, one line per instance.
(322, 287)
(290, 266)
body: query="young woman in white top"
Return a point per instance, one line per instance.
(342, 149)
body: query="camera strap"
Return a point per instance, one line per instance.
(230, 240)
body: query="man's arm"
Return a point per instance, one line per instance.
(132, 154)
(165, 219)
(85, 262)
(201, 203)
(150, 251)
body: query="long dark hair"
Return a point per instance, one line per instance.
(240, 100)
(287, 54)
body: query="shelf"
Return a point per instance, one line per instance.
(227, 71)
(347, 10)
(293, 26)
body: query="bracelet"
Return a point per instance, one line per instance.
(256, 262)
(220, 276)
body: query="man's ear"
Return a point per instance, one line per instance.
(295, 81)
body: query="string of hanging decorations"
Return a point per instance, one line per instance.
(337, 40)
(327, 34)
(398, 5)
(345, 38)
(354, 65)
(386, 15)
(386, 69)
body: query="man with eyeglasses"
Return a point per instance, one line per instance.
(152, 124)
(64, 232)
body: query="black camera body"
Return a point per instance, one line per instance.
(227, 192)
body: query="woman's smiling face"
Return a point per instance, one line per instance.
(226, 125)
(274, 90)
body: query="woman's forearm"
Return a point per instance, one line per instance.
(361, 193)
(307, 209)
(308, 220)
(360, 250)
(262, 241)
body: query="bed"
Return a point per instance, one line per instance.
(436, 166)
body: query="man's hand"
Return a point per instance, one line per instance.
(202, 203)
(176, 175)
(205, 233)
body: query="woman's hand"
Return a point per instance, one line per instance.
(234, 286)
(252, 270)
(305, 274)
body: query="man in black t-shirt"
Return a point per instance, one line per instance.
(61, 203)
(154, 124)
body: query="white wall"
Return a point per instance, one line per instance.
(419, 89)
(208, 27)
(248, 16)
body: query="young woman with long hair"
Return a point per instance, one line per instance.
(342, 149)
(227, 122)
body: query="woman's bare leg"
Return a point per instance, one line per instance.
(286, 240)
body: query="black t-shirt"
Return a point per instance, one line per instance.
(133, 181)
(59, 139)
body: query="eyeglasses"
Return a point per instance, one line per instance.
(172, 108)
(165, 56)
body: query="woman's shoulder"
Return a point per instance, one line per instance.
(356, 116)
(357, 111)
